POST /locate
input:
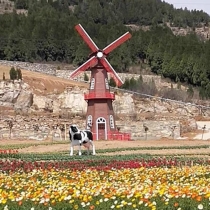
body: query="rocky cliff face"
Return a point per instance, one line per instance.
(163, 118)
(20, 96)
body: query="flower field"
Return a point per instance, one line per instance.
(125, 182)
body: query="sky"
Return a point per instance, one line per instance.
(191, 4)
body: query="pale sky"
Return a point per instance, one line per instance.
(191, 4)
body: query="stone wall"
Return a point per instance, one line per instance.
(42, 127)
(150, 129)
(159, 82)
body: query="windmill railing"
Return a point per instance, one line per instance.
(116, 136)
(119, 136)
(99, 95)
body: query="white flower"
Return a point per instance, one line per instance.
(112, 207)
(200, 206)
(140, 202)
(83, 204)
(6, 207)
(154, 203)
(67, 198)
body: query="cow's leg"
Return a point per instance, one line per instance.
(93, 147)
(71, 149)
(80, 150)
(88, 150)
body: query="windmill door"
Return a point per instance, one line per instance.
(101, 129)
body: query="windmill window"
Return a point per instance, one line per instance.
(106, 83)
(89, 121)
(101, 120)
(111, 119)
(92, 84)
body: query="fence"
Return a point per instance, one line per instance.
(115, 136)
(154, 97)
(119, 136)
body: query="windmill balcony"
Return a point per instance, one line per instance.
(103, 95)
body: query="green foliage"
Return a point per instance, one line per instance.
(21, 4)
(190, 92)
(140, 86)
(47, 33)
(86, 78)
(19, 73)
(112, 82)
(13, 73)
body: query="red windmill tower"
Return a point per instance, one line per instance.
(100, 114)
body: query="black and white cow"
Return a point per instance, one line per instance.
(79, 138)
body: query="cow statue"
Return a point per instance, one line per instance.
(80, 138)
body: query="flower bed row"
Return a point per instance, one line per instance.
(104, 164)
(11, 164)
(136, 187)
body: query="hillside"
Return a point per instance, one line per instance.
(169, 49)
(45, 101)
(43, 84)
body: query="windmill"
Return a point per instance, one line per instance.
(100, 114)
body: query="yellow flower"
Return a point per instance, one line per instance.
(76, 206)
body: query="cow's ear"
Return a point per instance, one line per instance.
(70, 136)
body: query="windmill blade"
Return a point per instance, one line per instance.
(116, 43)
(86, 38)
(88, 64)
(113, 73)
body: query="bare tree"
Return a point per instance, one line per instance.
(10, 125)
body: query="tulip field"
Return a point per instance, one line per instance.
(57, 181)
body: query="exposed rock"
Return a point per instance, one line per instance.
(124, 105)
(24, 100)
(161, 116)
(10, 96)
(73, 100)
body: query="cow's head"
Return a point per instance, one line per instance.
(74, 128)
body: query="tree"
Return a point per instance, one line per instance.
(19, 73)
(112, 82)
(86, 78)
(190, 92)
(126, 84)
(3, 75)
(13, 73)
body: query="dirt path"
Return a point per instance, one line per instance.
(38, 146)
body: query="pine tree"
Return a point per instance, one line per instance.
(13, 73)
(3, 76)
(112, 83)
(86, 78)
(190, 92)
(19, 73)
